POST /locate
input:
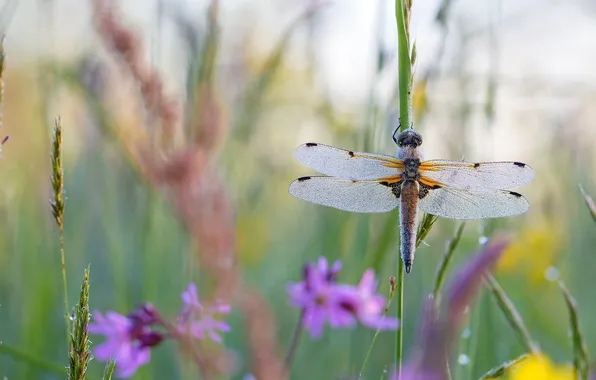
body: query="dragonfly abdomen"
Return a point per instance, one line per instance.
(408, 212)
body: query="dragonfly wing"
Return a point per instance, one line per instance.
(466, 204)
(348, 195)
(347, 164)
(477, 176)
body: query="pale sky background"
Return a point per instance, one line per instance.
(548, 46)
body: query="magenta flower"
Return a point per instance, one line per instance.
(128, 342)
(199, 320)
(370, 306)
(322, 300)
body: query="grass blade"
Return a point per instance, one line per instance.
(589, 202)
(580, 353)
(424, 227)
(511, 314)
(502, 369)
(442, 269)
(109, 370)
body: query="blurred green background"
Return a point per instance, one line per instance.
(496, 80)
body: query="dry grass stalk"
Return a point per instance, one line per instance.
(197, 193)
(125, 44)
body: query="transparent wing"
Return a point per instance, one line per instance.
(477, 176)
(355, 196)
(347, 164)
(465, 204)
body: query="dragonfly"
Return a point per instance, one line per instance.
(375, 183)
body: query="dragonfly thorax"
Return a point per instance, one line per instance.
(411, 169)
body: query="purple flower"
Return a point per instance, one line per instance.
(322, 300)
(128, 341)
(370, 306)
(198, 320)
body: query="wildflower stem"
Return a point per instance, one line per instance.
(294, 342)
(57, 204)
(392, 288)
(510, 312)
(581, 363)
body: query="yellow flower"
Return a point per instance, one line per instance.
(534, 251)
(540, 367)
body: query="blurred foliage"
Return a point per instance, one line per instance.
(138, 251)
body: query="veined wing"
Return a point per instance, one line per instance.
(466, 204)
(345, 194)
(347, 164)
(477, 176)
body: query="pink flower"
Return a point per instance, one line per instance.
(200, 320)
(321, 299)
(128, 341)
(370, 306)
(324, 301)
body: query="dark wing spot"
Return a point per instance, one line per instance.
(351, 153)
(476, 165)
(520, 164)
(435, 187)
(311, 144)
(302, 179)
(515, 194)
(384, 183)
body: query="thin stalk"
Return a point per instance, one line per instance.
(502, 369)
(57, 204)
(392, 288)
(402, 18)
(64, 286)
(294, 342)
(510, 312)
(589, 203)
(402, 9)
(400, 314)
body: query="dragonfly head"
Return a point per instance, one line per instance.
(409, 138)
